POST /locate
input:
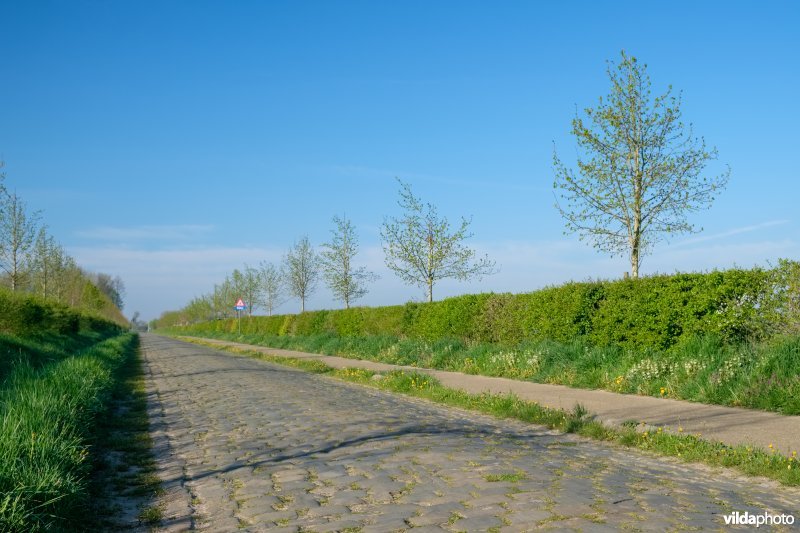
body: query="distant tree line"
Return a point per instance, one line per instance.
(31, 260)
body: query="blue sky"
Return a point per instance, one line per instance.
(171, 142)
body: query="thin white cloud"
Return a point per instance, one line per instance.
(137, 233)
(729, 233)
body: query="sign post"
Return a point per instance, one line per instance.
(239, 308)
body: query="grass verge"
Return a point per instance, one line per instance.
(689, 448)
(763, 375)
(49, 402)
(125, 487)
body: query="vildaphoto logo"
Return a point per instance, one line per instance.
(758, 520)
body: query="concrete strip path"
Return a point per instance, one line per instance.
(263, 447)
(730, 425)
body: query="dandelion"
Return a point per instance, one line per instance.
(663, 391)
(680, 429)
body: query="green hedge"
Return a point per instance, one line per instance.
(24, 314)
(655, 311)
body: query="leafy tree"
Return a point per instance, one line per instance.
(223, 298)
(112, 287)
(302, 270)
(47, 258)
(18, 231)
(421, 248)
(347, 282)
(640, 169)
(199, 309)
(272, 286)
(247, 286)
(91, 297)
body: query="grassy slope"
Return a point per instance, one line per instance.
(52, 388)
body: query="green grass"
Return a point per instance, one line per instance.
(52, 390)
(762, 375)
(122, 453)
(509, 477)
(690, 448)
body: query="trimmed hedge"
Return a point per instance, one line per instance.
(650, 312)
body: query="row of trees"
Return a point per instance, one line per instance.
(268, 285)
(419, 246)
(640, 171)
(31, 260)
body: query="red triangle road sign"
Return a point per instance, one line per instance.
(239, 303)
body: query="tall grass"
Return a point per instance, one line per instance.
(764, 375)
(49, 398)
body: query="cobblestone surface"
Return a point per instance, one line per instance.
(267, 448)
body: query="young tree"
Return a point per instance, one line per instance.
(223, 299)
(199, 309)
(17, 234)
(66, 281)
(302, 270)
(47, 263)
(640, 170)
(421, 249)
(247, 286)
(347, 282)
(272, 286)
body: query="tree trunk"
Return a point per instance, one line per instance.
(636, 244)
(430, 290)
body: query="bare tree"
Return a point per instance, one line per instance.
(421, 248)
(302, 270)
(640, 170)
(347, 282)
(18, 231)
(272, 286)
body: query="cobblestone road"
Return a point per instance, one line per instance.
(263, 447)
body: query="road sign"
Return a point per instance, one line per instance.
(239, 305)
